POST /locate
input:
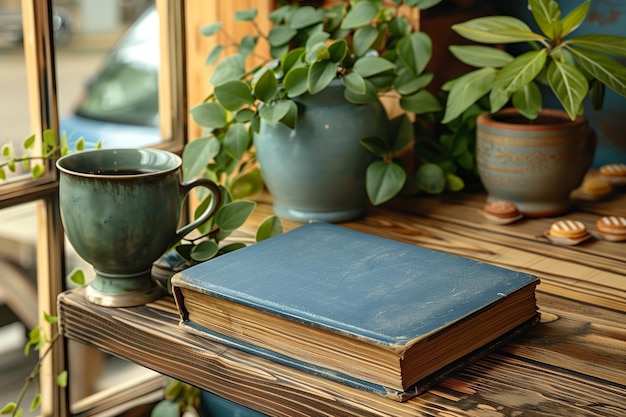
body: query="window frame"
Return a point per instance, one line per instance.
(40, 62)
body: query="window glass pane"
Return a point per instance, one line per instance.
(18, 296)
(14, 110)
(118, 102)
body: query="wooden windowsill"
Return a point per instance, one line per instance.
(562, 367)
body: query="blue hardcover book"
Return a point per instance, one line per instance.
(367, 311)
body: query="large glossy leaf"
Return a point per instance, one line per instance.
(522, 70)
(338, 50)
(614, 45)
(421, 102)
(415, 51)
(354, 82)
(273, 112)
(481, 56)
(230, 68)
(320, 75)
(232, 215)
(466, 90)
(364, 39)
(293, 59)
(247, 184)
(237, 140)
(295, 81)
(606, 70)
(547, 14)
(360, 15)
(498, 98)
(306, 16)
(266, 87)
(269, 227)
(244, 115)
(290, 119)
(496, 29)
(369, 96)
(204, 251)
(233, 95)
(528, 101)
(210, 115)
(315, 48)
(575, 18)
(197, 154)
(383, 181)
(569, 85)
(368, 66)
(281, 35)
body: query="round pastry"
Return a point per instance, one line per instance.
(569, 229)
(612, 227)
(501, 211)
(596, 187)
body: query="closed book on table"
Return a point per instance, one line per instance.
(372, 312)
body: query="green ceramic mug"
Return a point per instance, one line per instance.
(121, 210)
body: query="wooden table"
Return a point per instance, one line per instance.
(572, 364)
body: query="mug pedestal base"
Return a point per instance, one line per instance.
(123, 291)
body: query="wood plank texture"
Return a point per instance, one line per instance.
(571, 364)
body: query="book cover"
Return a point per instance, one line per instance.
(382, 297)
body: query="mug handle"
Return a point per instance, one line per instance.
(185, 188)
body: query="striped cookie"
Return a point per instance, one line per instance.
(613, 170)
(612, 226)
(570, 229)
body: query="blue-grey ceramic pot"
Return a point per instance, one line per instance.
(535, 165)
(317, 170)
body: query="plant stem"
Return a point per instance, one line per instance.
(34, 373)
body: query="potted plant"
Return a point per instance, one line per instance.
(322, 62)
(515, 162)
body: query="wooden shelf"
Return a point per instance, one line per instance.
(572, 363)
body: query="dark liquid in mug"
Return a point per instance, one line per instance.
(126, 172)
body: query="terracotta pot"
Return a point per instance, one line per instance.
(534, 164)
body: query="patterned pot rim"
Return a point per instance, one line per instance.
(548, 119)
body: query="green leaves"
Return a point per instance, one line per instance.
(496, 29)
(233, 95)
(210, 115)
(614, 45)
(481, 56)
(566, 63)
(369, 66)
(519, 72)
(466, 90)
(415, 51)
(360, 15)
(384, 180)
(569, 85)
(575, 18)
(548, 16)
